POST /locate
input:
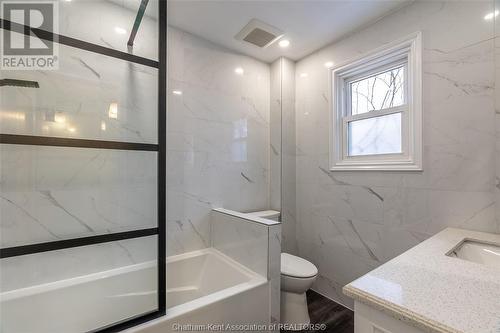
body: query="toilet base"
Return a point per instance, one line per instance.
(294, 309)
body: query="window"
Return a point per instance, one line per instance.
(377, 116)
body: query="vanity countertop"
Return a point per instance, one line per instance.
(427, 289)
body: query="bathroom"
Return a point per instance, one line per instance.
(266, 166)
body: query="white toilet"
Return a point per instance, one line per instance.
(297, 276)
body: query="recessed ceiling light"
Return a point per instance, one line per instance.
(491, 15)
(303, 74)
(284, 43)
(328, 64)
(239, 70)
(176, 92)
(120, 31)
(72, 129)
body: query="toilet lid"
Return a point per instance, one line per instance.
(297, 267)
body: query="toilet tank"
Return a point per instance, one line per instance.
(267, 214)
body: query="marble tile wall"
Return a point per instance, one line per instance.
(497, 110)
(288, 186)
(241, 239)
(351, 222)
(275, 168)
(274, 272)
(253, 242)
(218, 138)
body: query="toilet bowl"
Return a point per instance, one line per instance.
(297, 276)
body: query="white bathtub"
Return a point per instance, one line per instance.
(208, 287)
(203, 287)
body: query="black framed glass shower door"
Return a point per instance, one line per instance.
(82, 174)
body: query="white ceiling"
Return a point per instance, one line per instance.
(309, 25)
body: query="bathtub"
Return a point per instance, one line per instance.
(208, 287)
(204, 287)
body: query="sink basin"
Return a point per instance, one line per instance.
(479, 252)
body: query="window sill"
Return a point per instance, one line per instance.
(376, 167)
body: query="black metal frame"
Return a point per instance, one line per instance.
(160, 148)
(33, 140)
(137, 22)
(77, 43)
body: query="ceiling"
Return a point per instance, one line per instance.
(309, 25)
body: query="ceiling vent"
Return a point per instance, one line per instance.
(259, 33)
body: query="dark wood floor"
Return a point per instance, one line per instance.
(337, 318)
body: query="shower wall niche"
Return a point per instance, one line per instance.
(82, 175)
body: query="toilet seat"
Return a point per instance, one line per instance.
(297, 267)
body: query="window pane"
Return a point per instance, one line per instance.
(378, 135)
(378, 92)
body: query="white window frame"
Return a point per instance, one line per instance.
(407, 51)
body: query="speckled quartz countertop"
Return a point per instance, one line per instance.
(434, 292)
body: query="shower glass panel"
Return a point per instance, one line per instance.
(52, 193)
(82, 172)
(107, 283)
(90, 96)
(109, 24)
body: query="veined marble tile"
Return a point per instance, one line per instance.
(245, 241)
(253, 244)
(218, 137)
(497, 117)
(276, 114)
(350, 222)
(274, 270)
(288, 161)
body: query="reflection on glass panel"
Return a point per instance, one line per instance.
(378, 135)
(52, 193)
(381, 91)
(78, 289)
(90, 96)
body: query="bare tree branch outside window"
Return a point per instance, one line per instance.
(381, 91)
(379, 134)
